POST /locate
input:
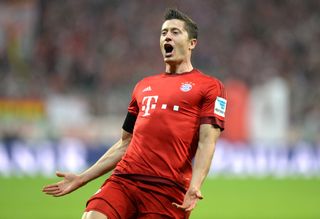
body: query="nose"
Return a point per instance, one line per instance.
(167, 38)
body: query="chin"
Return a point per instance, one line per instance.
(169, 60)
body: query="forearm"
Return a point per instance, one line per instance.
(207, 140)
(204, 154)
(107, 162)
(201, 166)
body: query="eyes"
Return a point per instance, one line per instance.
(173, 31)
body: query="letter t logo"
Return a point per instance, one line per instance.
(146, 104)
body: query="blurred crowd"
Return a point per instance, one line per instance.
(98, 50)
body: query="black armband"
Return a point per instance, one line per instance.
(129, 122)
(217, 123)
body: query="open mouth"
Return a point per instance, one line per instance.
(168, 50)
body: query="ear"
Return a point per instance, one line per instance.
(193, 43)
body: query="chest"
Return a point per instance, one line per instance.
(170, 94)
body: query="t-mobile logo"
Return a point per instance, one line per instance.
(148, 102)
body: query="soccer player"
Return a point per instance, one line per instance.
(168, 138)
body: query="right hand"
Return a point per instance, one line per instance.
(191, 198)
(70, 183)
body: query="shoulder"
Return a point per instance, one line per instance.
(209, 79)
(149, 78)
(146, 81)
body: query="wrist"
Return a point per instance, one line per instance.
(195, 185)
(194, 188)
(82, 179)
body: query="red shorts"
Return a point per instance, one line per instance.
(121, 198)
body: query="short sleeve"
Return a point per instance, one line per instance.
(133, 107)
(214, 105)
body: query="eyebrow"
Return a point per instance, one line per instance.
(172, 28)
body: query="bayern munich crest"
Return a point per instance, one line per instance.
(186, 86)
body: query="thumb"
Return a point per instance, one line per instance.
(199, 196)
(60, 174)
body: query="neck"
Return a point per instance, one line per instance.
(178, 68)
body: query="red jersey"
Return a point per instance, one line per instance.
(169, 110)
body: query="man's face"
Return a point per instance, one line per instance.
(175, 44)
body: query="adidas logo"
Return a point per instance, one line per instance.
(147, 89)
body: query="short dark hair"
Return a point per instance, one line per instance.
(190, 25)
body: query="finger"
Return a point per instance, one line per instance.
(60, 174)
(61, 193)
(179, 206)
(199, 196)
(176, 205)
(50, 189)
(51, 186)
(191, 207)
(53, 192)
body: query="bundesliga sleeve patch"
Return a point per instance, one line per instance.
(220, 106)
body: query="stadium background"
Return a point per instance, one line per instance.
(67, 69)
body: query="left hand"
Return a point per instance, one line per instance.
(190, 199)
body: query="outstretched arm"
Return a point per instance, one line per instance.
(202, 161)
(106, 163)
